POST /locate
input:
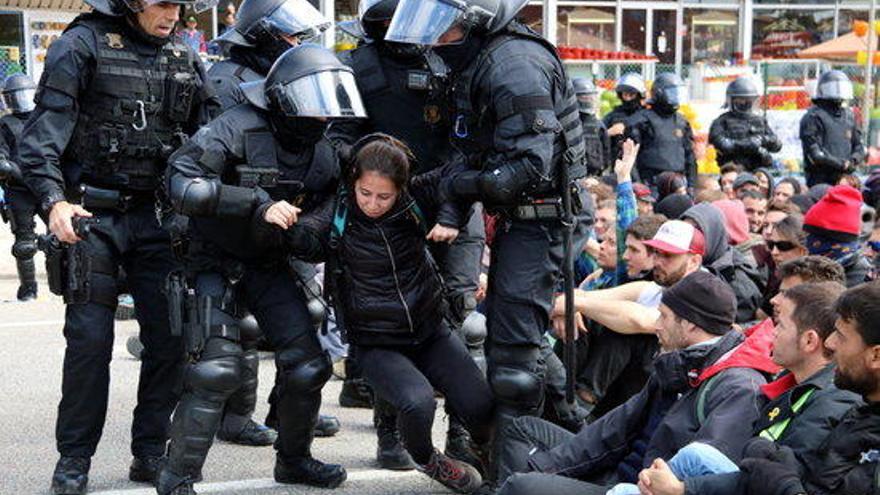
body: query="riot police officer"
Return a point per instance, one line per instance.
(264, 30)
(830, 136)
(596, 142)
(740, 135)
(517, 125)
(666, 138)
(631, 91)
(18, 97)
(253, 169)
(118, 95)
(404, 90)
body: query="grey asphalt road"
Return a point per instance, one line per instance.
(31, 353)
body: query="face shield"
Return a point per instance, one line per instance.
(293, 18)
(835, 90)
(424, 22)
(198, 6)
(588, 102)
(21, 101)
(673, 96)
(326, 94)
(742, 104)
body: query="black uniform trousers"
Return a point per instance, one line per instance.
(135, 241)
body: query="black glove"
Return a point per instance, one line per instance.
(771, 478)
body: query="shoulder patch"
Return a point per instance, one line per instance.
(114, 40)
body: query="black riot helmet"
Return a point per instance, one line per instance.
(18, 93)
(834, 86)
(668, 91)
(307, 81)
(374, 16)
(742, 94)
(587, 94)
(264, 22)
(121, 7)
(425, 22)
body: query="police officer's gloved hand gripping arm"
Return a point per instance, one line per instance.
(69, 65)
(522, 151)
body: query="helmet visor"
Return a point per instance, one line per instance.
(198, 6)
(424, 22)
(297, 18)
(836, 90)
(21, 101)
(331, 93)
(674, 95)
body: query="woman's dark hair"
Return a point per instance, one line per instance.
(791, 228)
(383, 154)
(798, 189)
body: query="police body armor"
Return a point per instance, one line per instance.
(131, 118)
(226, 75)
(406, 101)
(594, 147)
(13, 124)
(837, 137)
(666, 150)
(473, 128)
(739, 127)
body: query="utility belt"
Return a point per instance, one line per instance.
(97, 198)
(543, 209)
(197, 318)
(69, 266)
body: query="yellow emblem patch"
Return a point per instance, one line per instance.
(114, 40)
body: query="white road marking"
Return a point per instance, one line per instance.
(265, 483)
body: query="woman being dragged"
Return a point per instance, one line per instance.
(386, 289)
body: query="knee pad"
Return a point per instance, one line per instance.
(303, 375)
(474, 329)
(24, 248)
(249, 328)
(516, 375)
(221, 375)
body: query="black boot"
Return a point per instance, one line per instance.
(356, 393)
(71, 476)
(309, 471)
(327, 426)
(460, 446)
(390, 453)
(145, 469)
(248, 432)
(168, 483)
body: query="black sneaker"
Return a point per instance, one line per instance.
(327, 426)
(71, 476)
(309, 471)
(253, 434)
(356, 393)
(145, 469)
(455, 475)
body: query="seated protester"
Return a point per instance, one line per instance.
(727, 263)
(833, 226)
(805, 270)
(616, 366)
(756, 210)
(679, 405)
(737, 224)
(644, 199)
(786, 243)
(709, 196)
(388, 294)
(673, 206)
(729, 172)
(847, 462)
(669, 183)
(786, 188)
(803, 404)
(744, 182)
(765, 182)
(776, 211)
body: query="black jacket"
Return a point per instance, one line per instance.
(727, 263)
(379, 273)
(731, 409)
(805, 434)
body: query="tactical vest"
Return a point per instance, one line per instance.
(593, 145)
(294, 178)
(837, 132)
(226, 75)
(14, 124)
(407, 102)
(131, 116)
(473, 128)
(740, 127)
(666, 150)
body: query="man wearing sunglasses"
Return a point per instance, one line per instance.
(118, 96)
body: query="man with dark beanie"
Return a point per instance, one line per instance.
(833, 226)
(705, 387)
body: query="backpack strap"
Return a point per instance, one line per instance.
(705, 388)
